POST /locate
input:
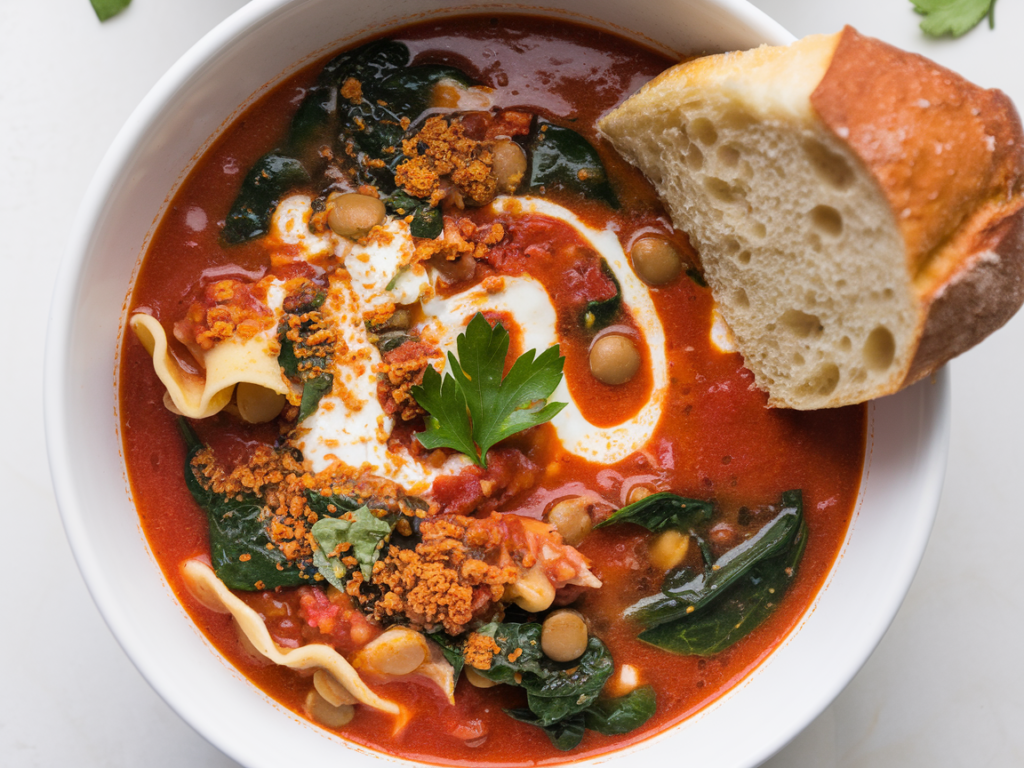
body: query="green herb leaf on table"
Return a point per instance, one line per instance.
(954, 17)
(474, 406)
(108, 8)
(361, 530)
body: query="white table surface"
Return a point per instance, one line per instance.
(945, 686)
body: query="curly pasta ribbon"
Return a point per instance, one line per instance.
(211, 592)
(251, 364)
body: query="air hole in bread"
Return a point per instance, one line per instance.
(721, 190)
(845, 345)
(879, 349)
(798, 359)
(831, 167)
(694, 158)
(743, 258)
(703, 130)
(740, 299)
(736, 119)
(728, 156)
(822, 382)
(758, 230)
(800, 324)
(827, 220)
(731, 246)
(888, 294)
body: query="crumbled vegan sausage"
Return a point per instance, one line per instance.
(442, 151)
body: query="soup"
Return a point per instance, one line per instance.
(432, 425)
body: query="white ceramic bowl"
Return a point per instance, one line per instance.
(257, 47)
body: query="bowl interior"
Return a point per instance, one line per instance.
(255, 48)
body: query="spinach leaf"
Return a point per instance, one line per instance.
(408, 92)
(314, 124)
(262, 189)
(361, 530)
(562, 160)
(741, 611)
(771, 540)
(306, 361)
(563, 690)
(374, 125)
(661, 511)
(238, 537)
(426, 221)
(313, 390)
(565, 734)
(685, 591)
(601, 314)
(511, 638)
(622, 715)
(559, 695)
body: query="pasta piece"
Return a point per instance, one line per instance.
(203, 583)
(401, 651)
(252, 363)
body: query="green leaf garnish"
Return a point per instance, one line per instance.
(361, 530)
(473, 406)
(107, 8)
(954, 17)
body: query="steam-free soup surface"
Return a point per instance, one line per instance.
(715, 439)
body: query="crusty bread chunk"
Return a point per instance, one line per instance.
(859, 210)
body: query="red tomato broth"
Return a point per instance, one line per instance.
(717, 439)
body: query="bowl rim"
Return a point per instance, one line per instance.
(67, 290)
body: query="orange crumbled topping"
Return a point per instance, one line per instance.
(352, 90)
(402, 369)
(479, 651)
(457, 573)
(227, 308)
(283, 483)
(460, 237)
(515, 654)
(440, 152)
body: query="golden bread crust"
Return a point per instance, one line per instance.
(949, 157)
(938, 145)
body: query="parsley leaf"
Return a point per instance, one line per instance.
(473, 407)
(954, 17)
(107, 8)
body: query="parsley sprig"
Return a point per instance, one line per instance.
(473, 406)
(954, 17)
